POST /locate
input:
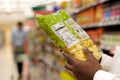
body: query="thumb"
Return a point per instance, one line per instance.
(87, 53)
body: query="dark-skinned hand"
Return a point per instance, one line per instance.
(83, 70)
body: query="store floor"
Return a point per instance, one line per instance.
(8, 69)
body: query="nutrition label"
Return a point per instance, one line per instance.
(77, 28)
(64, 34)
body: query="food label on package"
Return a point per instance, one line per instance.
(64, 34)
(77, 28)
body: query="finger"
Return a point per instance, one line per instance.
(88, 54)
(68, 66)
(70, 59)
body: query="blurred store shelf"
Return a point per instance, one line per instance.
(84, 8)
(111, 21)
(87, 26)
(77, 10)
(103, 1)
(106, 47)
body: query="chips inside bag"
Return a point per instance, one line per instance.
(67, 34)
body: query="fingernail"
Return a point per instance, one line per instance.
(85, 50)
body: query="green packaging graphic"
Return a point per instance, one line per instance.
(67, 34)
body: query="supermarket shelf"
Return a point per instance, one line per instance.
(110, 21)
(106, 47)
(87, 26)
(103, 1)
(77, 10)
(84, 8)
(104, 23)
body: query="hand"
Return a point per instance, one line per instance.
(83, 70)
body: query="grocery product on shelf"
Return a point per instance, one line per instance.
(111, 14)
(87, 2)
(112, 9)
(85, 17)
(98, 13)
(111, 38)
(76, 3)
(63, 4)
(67, 34)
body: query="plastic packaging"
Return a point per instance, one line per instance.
(67, 34)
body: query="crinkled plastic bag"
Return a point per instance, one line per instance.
(67, 34)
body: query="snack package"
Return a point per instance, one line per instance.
(67, 34)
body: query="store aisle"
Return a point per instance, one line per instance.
(7, 66)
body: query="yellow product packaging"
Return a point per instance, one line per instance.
(67, 34)
(66, 76)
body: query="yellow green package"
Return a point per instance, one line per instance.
(67, 34)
